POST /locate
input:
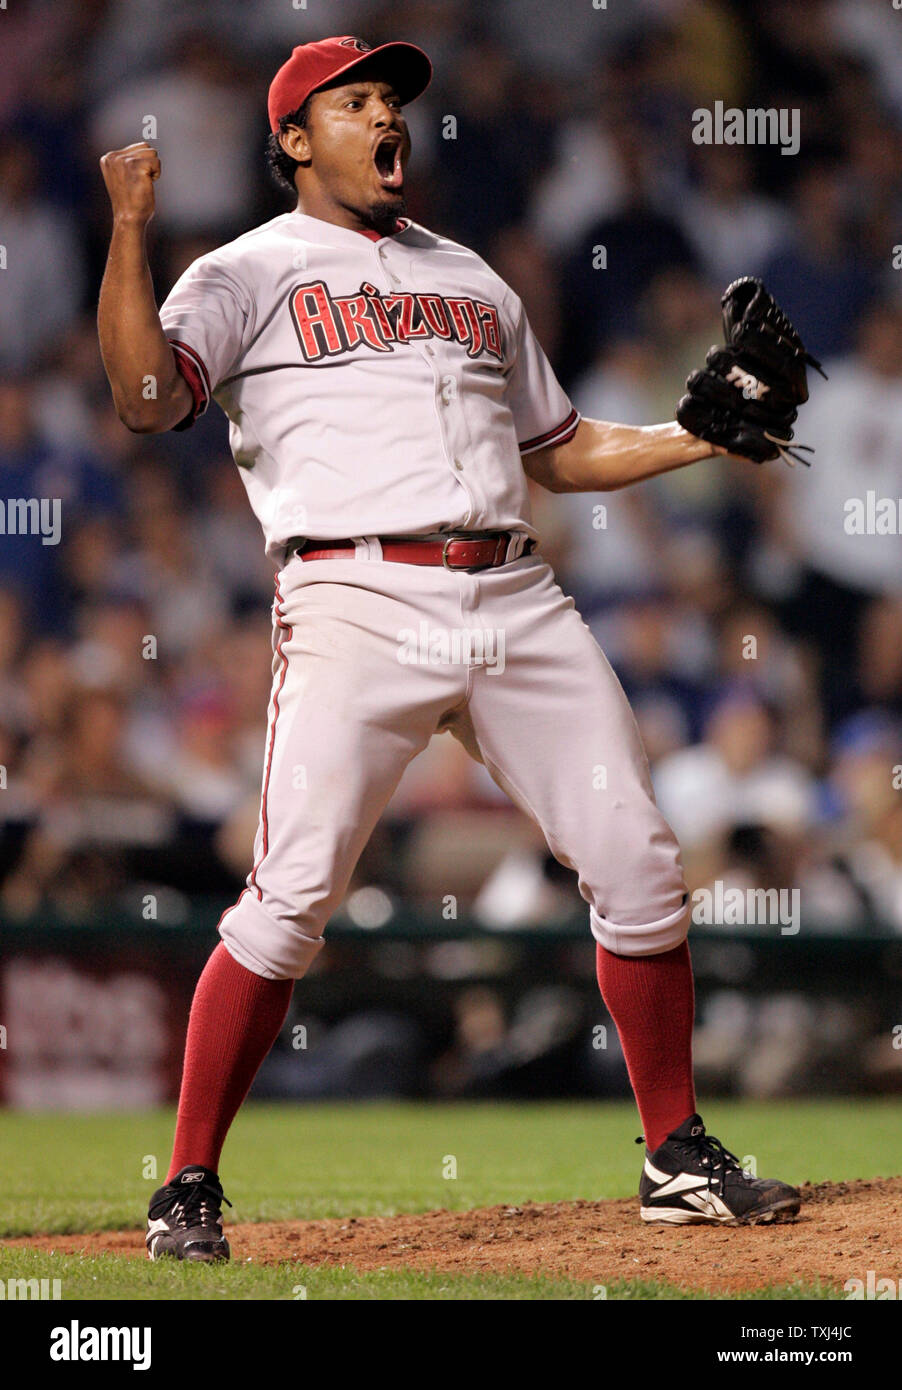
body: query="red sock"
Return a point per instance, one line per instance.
(235, 1018)
(652, 1001)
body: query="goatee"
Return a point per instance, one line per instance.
(384, 215)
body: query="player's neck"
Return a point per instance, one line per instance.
(324, 210)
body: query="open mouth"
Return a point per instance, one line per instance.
(387, 159)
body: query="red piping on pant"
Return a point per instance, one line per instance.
(264, 816)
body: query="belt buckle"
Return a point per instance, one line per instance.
(462, 569)
(445, 564)
(457, 569)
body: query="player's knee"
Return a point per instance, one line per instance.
(642, 906)
(277, 947)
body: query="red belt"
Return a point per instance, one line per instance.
(454, 552)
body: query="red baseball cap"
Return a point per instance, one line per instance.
(311, 65)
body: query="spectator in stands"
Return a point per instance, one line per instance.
(164, 568)
(723, 199)
(65, 483)
(735, 776)
(821, 275)
(202, 776)
(618, 258)
(41, 285)
(489, 136)
(865, 779)
(52, 118)
(207, 128)
(847, 561)
(92, 808)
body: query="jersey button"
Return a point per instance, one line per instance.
(458, 465)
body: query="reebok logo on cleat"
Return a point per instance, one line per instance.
(692, 1178)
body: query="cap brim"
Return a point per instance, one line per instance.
(404, 65)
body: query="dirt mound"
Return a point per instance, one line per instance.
(843, 1230)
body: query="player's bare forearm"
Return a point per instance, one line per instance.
(602, 457)
(149, 393)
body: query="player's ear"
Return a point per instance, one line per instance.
(295, 141)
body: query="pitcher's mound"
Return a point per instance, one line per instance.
(843, 1230)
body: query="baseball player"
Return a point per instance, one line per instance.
(387, 402)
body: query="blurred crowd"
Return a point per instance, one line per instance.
(756, 632)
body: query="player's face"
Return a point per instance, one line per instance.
(358, 146)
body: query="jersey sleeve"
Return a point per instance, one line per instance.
(541, 409)
(205, 318)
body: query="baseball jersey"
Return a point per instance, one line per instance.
(373, 385)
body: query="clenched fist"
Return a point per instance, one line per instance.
(129, 177)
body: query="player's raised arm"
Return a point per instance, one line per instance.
(149, 393)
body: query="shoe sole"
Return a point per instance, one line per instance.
(222, 1258)
(779, 1212)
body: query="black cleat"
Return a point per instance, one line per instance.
(693, 1179)
(184, 1218)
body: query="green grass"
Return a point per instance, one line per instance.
(104, 1277)
(69, 1173)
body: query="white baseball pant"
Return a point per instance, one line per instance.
(370, 659)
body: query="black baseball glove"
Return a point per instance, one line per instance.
(747, 396)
